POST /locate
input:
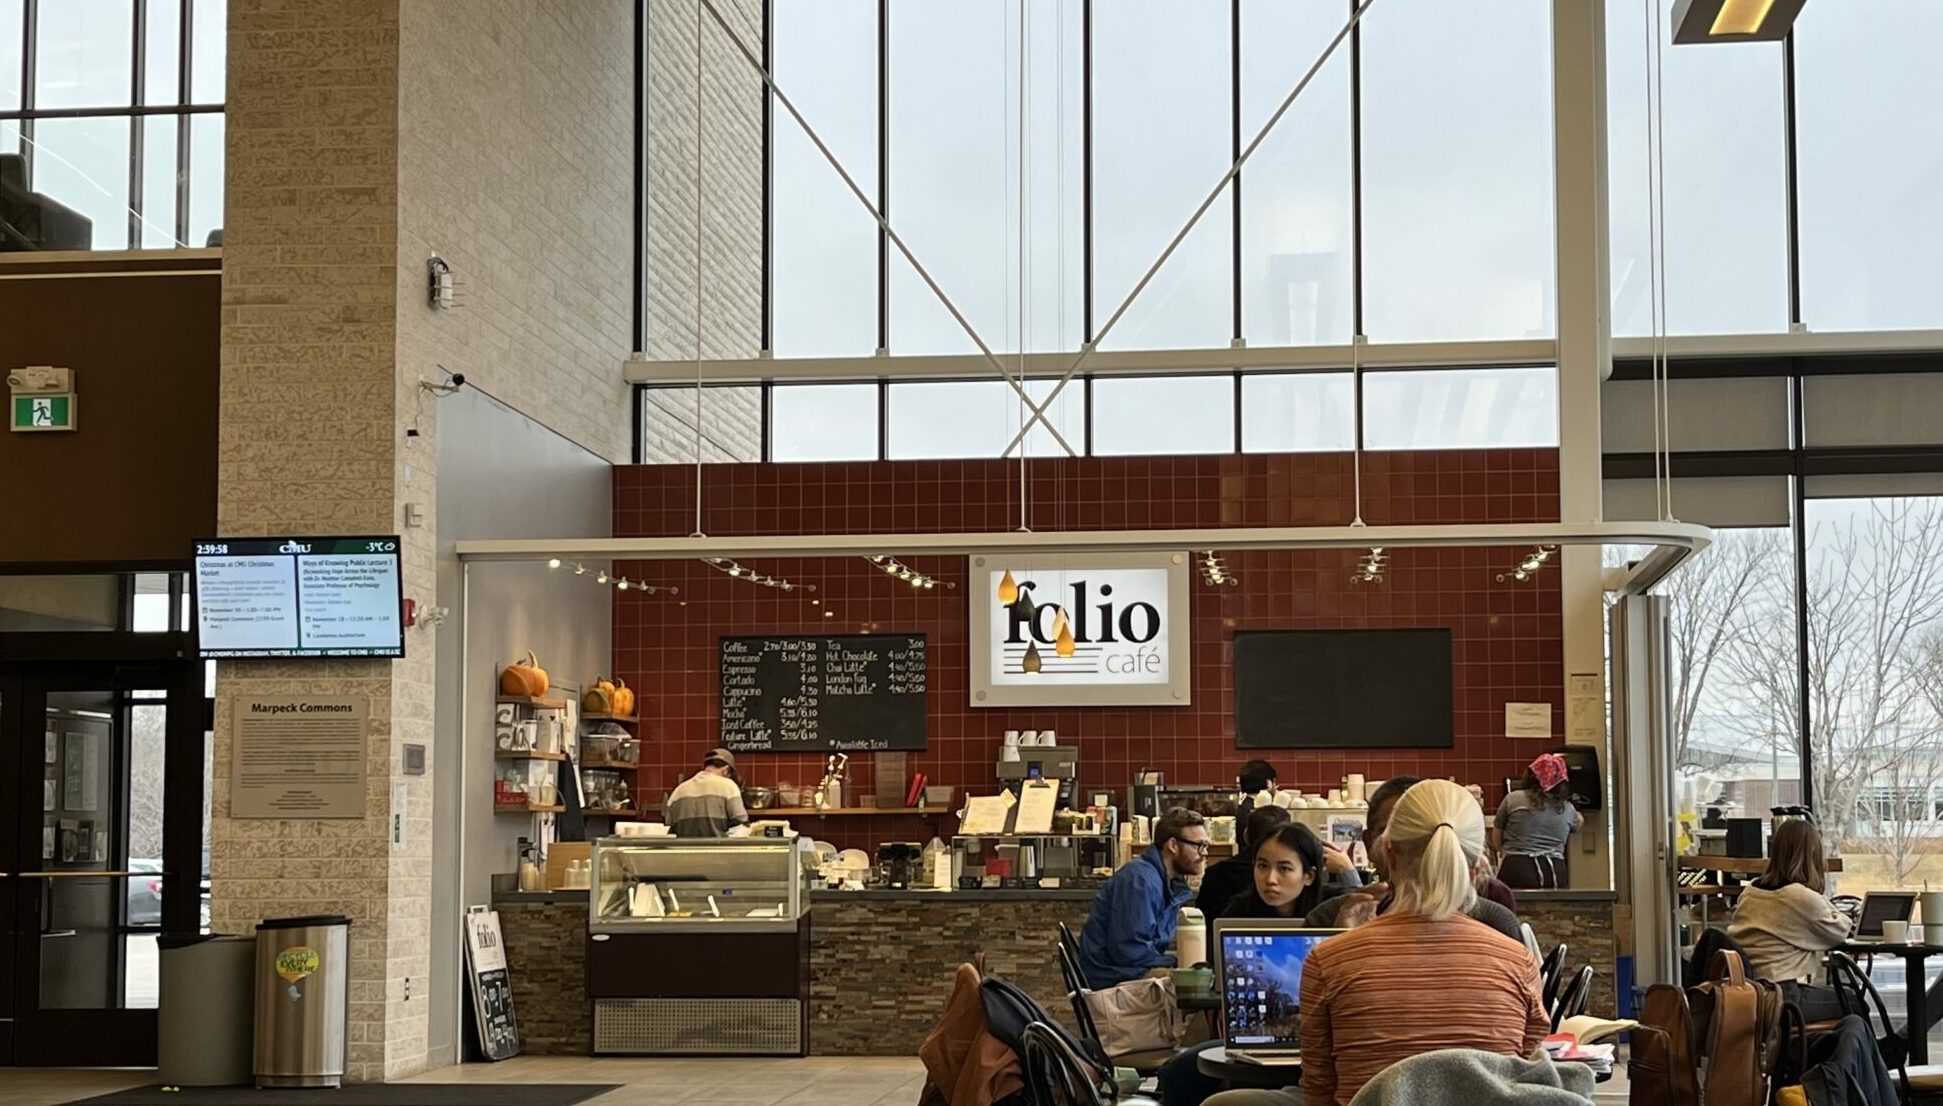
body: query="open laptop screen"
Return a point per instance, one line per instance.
(1261, 984)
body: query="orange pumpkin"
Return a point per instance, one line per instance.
(623, 697)
(524, 677)
(600, 698)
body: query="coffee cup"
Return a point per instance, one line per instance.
(1048, 737)
(1011, 739)
(1895, 931)
(1029, 738)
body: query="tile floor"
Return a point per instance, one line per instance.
(816, 1081)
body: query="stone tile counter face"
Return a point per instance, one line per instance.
(881, 969)
(546, 952)
(1586, 929)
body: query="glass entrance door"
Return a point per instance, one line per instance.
(104, 853)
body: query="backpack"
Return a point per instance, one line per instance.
(1715, 1043)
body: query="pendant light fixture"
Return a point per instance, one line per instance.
(1032, 663)
(1062, 632)
(1008, 588)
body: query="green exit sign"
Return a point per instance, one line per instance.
(55, 412)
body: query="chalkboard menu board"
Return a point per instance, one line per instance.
(856, 693)
(490, 987)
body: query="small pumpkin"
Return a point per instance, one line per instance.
(524, 677)
(623, 697)
(600, 698)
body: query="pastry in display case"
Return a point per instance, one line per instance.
(724, 882)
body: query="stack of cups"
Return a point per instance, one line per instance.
(1932, 917)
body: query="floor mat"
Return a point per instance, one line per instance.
(362, 1094)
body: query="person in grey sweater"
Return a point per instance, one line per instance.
(1783, 920)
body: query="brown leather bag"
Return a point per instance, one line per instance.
(1716, 1043)
(1663, 1070)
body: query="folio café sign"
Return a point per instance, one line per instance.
(1077, 631)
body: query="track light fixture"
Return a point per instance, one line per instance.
(1531, 566)
(1215, 573)
(731, 568)
(898, 570)
(1369, 570)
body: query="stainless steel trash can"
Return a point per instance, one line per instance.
(303, 991)
(203, 1026)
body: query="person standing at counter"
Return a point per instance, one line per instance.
(1532, 825)
(1132, 925)
(708, 803)
(1256, 783)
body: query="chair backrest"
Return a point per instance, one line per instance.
(1856, 991)
(1076, 994)
(1070, 944)
(1054, 1074)
(1531, 943)
(1549, 974)
(1573, 999)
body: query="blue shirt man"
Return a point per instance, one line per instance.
(1131, 929)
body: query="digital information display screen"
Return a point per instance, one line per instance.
(300, 597)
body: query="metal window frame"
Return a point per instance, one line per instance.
(136, 110)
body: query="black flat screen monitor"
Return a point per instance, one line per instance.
(1343, 689)
(299, 597)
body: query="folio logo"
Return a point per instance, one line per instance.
(1094, 629)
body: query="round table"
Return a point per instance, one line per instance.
(1214, 1064)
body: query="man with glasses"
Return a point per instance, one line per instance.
(1131, 930)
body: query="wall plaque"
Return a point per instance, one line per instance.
(299, 756)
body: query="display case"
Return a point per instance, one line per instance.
(720, 884)
(698, 946)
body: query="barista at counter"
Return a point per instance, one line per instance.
(1134, 915)
(708, 803)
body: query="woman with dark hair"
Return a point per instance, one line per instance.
(1223, 881)
(1288, 876)
(1532, 826)
(1783, 920)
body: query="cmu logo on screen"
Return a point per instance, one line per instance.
(1083, 626)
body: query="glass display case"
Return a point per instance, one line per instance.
(722, 884)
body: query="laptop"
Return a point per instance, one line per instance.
(1258, 973)
(1884, 906)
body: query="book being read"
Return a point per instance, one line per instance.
(1584, 1030)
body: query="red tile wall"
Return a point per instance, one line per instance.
(1506, 636)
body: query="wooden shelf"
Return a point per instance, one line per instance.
(529, 808)
(627, 718)
(613, 765)
(839, 811)
(603, 812)
(530, 701)
(1741, 865)
(530, 754)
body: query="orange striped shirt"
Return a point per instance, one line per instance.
(1401, 985)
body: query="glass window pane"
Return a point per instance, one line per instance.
(1461, 409)
(823, 422)
(1457, 170)
(158, 181)
(11, 55)
(83, 164)
(1163, 414)
(1875, 621)
(151, 603)
(162, 54)
(1870, 175)
(731, 424)
(954, 153)
(208, 69)
(1296, 279)
(1298, 413)
(84, 56)
(205, 177)
(823, 247)
(1726, 182)
(1161, 109)
(977, 418)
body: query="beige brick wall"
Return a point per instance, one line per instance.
(308, 424)
(364, 136)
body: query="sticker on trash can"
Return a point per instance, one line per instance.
(295, 963)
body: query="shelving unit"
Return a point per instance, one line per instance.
(534, 703)
(526, 808)
(530, 754)
(845, 811)
(628, 770)
(524, 774)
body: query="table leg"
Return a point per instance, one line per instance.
(1925, 1006)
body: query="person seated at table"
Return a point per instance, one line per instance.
(1289, 876)
(1494, 904)
(1227, 878)
(1783, 920)
(1532, 825)
(1424, 976)
(1131, 929)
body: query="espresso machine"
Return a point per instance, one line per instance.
(1043, 762)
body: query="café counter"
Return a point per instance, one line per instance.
(881, 962)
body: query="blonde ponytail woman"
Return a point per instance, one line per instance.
(1422, 975)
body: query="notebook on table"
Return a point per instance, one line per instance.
(1258, 973)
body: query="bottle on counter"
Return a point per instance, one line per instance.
(1191, 938)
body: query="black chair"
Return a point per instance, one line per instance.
(1055, 1075)
(1858, 992)
(1070, 944)
(1550, 976)
(1146, 1063)
(1573, 999)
